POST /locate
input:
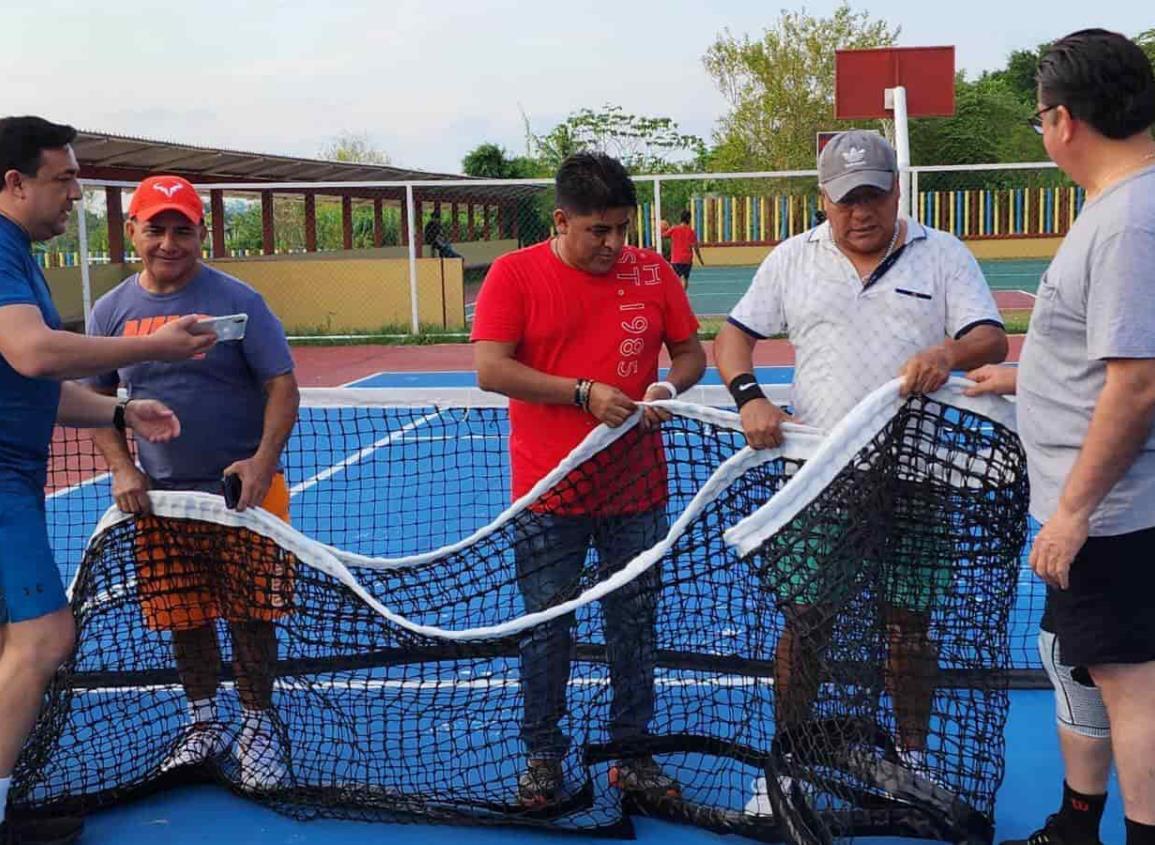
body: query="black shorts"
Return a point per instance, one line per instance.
(683, 270)
(1107, 614)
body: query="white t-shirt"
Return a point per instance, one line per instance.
(850, 337)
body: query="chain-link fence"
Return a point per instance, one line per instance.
(351, 260)
(996, 201)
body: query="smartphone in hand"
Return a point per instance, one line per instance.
(230, 327)
(231, 489)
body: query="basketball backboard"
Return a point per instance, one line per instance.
(861, 78)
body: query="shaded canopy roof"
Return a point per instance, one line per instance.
(119, 157)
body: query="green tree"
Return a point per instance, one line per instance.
(643, 144)
(491, 161)
(989, 125)
(780, 86)
(353, 146)
(1146, 41)
(1019, 74)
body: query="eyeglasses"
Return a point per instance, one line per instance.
(1035, 121)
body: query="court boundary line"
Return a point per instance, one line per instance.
(360, 455)
(426, 376)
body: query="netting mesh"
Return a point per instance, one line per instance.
(602, 623)
(894, 580)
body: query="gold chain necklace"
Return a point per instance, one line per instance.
(889, 251)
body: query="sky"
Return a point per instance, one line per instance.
(426, 82)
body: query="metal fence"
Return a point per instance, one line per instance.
(357, 259)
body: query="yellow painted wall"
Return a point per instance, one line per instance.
(1015, 247)
(67, 293)
(316, 294)
(728, 256)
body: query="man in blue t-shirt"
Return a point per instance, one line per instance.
(239, 404)
(38, 185)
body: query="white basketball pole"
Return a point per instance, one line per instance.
(895, 100)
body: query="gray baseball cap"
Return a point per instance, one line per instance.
(854, 159)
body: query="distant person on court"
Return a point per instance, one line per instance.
(239, 404)
(683, 248)
(571, 330)
(865, 297)
(38, 185)
(434, 235)
(1086, 404)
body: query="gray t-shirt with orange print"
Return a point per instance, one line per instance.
(219, 397)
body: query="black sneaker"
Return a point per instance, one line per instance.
(1052, 833)
(643, 776)
(540, 784)
(36, 830)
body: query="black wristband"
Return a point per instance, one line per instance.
(745, 388)
(118, 421)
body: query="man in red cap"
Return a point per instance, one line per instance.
(238, 404)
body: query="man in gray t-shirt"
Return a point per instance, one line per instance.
(1086, 388)
(237, 405)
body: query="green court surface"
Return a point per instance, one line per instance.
(715, 290)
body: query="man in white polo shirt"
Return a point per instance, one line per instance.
(864, 297)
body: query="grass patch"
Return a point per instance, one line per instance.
(390, 335)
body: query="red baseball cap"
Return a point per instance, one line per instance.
(166, 193)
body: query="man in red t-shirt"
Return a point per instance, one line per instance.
(683, 246)
(571, 330)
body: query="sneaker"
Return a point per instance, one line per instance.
(915, 762)
(198, 743)
(642, 775)
(907, 778)
(759, 804)
(49, 830)
(540, 784)
(261, 758)
(1051, 833)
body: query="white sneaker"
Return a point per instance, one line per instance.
(759, 804)
(198, 743)
(915, 761)
(261, 759)
(909, 778)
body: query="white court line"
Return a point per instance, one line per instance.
(360, 455)
(64, 491)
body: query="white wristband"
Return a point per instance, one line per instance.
(673, 390)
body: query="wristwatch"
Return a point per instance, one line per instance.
(118, 416)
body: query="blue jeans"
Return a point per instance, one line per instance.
(551, 553)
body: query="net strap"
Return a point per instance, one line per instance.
(800, 443)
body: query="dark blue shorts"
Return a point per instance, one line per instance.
(30, 584)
